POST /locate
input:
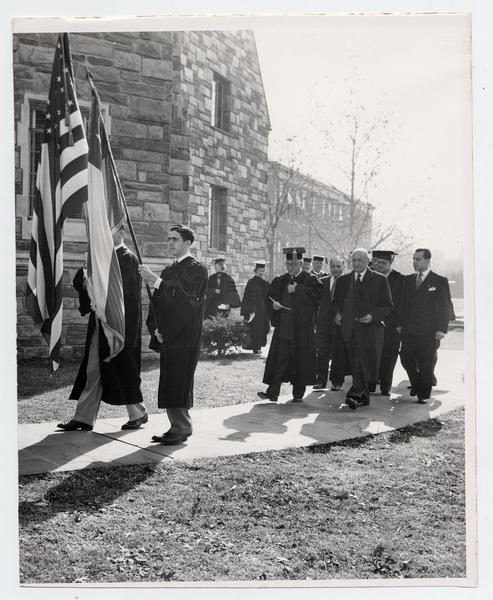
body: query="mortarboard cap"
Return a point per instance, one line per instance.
(260, 264)
(318, 257)
(219, 260)
(385, 254)
(307, 259)
(296, 251)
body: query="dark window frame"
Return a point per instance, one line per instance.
(218, 218)
(222, 103)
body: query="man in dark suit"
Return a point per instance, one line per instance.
(382, 263)
(423, 321)
(325, 326)
(362, 300)
(293, 299)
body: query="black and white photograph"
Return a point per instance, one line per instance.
(244, 283)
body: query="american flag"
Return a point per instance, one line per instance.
(61, 187)
(105, 213)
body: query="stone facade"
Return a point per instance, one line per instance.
(315, 215)
(155, 89)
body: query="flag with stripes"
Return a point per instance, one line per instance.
(61, 187)
(105, 214)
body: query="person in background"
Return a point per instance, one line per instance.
(221, 295)
(326, 327)
(382, 263)
(175, 324)
(317, 264)
(294, 298)
(254, 308)
(307, 264)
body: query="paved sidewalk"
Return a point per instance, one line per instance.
(242, 428)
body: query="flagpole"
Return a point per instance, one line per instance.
(129, 221)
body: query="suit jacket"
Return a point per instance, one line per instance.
(425, 310)
(375, 299)
(325, 318)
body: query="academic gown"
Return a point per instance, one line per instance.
(179, 303)
(228, 295)
(305, 301)
(254, 301)
(120, 377)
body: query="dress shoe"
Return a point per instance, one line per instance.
(257, 351)
(74, 425)
(320, 386)
(297, 400)
(385, 393)
(372, 387)
(363, 401)
(170, 440)
(351, 402)
(423, 400)
(136, 423)
(412, 391)
(335, 388)
(264, 396)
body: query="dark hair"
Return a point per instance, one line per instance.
(185, 232)
(425, 251)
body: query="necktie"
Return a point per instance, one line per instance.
(419, 280)
(332, 287)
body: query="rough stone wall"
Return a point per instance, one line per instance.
(236, 160)
(156, 89)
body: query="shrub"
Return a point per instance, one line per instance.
(220, 335)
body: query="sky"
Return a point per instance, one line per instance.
(407, 75)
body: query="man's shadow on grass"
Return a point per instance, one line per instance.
(84, 492)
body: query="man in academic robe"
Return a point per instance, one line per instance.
(254, 308)
(382, 263)
(362, 300)
(222, 294)
(325, 326)
(317, 266)
(340, 364)
(175, 323)
(293, 299)
(116, 382)
(423, 322)
(307, 264)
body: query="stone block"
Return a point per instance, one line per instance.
(91, 46)
(157, 69)
(157, 177)
(135, 212)
(76, 334)
(29, 342)
(149, 196)
(148, 48)
(126, 60)
(128, 128)
(158, 212)
(145, 90)
(178, 201)
(127, 169)
(155, 249)
(179, 167)
(155, 132)
(149, 110)
(135, 154)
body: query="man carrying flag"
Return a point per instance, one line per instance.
(61, 187)
(110, 290)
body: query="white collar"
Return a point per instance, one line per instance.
(362, 274)
(120, 245)
(424, 274)
(178, 260)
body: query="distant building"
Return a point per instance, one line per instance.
(188, 123)
(312, 214)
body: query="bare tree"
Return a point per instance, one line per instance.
(284, 189)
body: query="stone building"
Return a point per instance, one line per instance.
(188, 124)
(312, 214)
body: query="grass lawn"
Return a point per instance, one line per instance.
(390, 505)
(220, 382)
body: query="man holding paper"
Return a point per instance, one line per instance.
(293, 299)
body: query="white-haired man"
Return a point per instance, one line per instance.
(362, 300)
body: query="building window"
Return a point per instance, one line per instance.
(36, 130)
(221, 103)
(218, 217)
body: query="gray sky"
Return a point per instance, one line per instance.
(414, 71)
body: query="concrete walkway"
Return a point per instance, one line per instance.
(243, 428)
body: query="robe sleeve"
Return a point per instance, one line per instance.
(248, 304)
(231, 296)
